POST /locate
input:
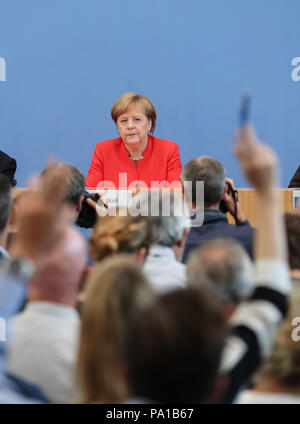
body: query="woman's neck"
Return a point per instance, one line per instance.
(137, 149)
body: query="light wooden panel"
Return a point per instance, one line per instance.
(247, 199)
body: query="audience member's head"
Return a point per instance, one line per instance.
(165, 210)
(5, 204)
(224, 267)
(115, 288)
(292, 224)
(75, 183)
(58, 274)
(121, 234)
(174, 347)
(212, 173)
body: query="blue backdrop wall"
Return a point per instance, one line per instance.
(63, 63)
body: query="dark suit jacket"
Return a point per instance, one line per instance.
(215, 225)
(295, 181)
(8, 167)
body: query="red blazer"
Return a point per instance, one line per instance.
(161, 162)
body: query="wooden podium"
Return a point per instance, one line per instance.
(247, 199)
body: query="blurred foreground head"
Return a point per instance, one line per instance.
(121, 234)
(174, 348)
(74, 183)
(223, 267)
(58, 273)
(115, 289)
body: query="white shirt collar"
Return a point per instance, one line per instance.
(159, 250)
(51, 308)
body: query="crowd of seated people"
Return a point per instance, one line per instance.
(161, 312)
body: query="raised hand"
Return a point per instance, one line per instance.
(42, 218)
(258, 161)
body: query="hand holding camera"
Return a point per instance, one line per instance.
(230, 202)
(88, 214)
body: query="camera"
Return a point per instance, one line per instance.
(87, 217)
(232, 193)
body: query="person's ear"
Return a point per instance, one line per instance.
(79, 205)
(141, 255)
(180, 242)
(224, 191)
(150, 124)
(12, 218)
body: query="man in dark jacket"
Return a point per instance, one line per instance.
(8, 167)
(215, 224)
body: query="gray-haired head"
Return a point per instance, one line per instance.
(211, 172)
(224, 267)
(167, 212)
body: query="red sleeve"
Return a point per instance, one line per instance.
(174, 165)
(95, 174)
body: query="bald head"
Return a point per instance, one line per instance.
(58, 275)
(75, 184)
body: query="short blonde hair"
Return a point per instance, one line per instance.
(124, 102)
(120, 234)
(115, 289)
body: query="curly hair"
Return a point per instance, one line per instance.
(120, 234)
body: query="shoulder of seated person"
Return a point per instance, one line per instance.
(108, 144)
(4, 156)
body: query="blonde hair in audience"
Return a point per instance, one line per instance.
(120, 234)
(115, 288)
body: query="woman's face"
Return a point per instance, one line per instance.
(133, 126)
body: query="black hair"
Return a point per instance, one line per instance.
(5, 201)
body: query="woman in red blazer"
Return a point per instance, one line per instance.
(136, 158)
